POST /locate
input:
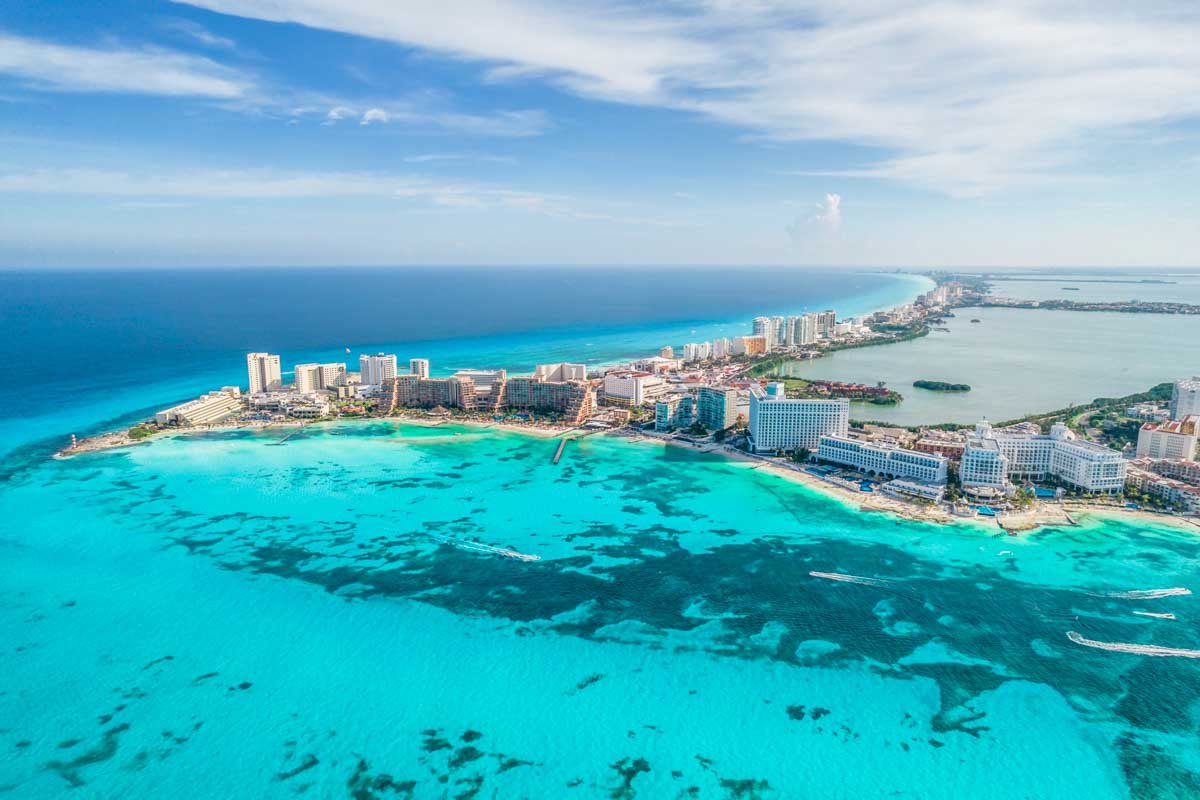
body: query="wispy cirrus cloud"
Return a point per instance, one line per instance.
(137, 70)
(167, 188)
(149, 70)
(419, 114)
(134, 189)
(962, 96)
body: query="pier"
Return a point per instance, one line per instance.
(562, 444)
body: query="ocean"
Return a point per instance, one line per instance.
(237, 615)
(94, 348)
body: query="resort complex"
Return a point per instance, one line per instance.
(725, 395)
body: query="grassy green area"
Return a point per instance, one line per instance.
(1112, 408)
(139, 432)
(942, 386)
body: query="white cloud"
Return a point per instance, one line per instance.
(374, 115)
(823, 223)
(337, 113)
(201, 34)
(166, 189)
(146, 70)
(964, 96)
(157, 71)
(829, 214)
(412, 114)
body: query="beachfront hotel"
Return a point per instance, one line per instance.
(564, 371)
(778, 423)
(204, 410)
(993, 458)
(263, 371)
(883, 459)
(632, 387)
(673, 411)
(574, 399)
(1176, 438)
(716, 407)
(419, 367)
(375, 370)
(311, 378)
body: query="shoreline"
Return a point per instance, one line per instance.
(1042, 516)
(1013, 524)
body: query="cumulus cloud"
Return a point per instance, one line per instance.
(963, 96)
(829, 214)
(824, 221)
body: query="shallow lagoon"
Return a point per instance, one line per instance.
(309, 617)
(1017, 362)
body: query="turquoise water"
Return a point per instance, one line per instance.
(227, 616)
(1017, 362)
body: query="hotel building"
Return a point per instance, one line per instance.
(488, 384)
(419, 367)
(748, 345)
(1185, 398)
(777, 423)
(697, 351)
(313, 377)
(631, 388)
(574, 399)
(206, 409)
(263, 370)
(377, 369)
(716, 407)
(992, 458)
(565, 371)
(877, 458)
(674, 411)
(804, 331)
(1174, 439)
(413, 391)
(1173, 491)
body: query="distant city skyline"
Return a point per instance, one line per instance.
(363, 132)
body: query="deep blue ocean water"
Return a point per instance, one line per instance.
(93, 346)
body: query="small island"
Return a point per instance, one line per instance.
(942, 386)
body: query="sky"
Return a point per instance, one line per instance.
(812, 132)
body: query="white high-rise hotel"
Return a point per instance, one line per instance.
(993, 457)
(263, 369)
(777, 423)
(1185, 398)
(374, 370)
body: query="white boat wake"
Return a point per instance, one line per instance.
(488, 549)
(1139, 649)
(862, 581)
(1147, 594)
(1154, 614)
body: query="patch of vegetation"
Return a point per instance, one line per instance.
(138, 432)
(942, 386)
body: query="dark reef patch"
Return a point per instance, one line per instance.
(628, 769)
(69, 771)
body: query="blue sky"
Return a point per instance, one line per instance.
(230, 132)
